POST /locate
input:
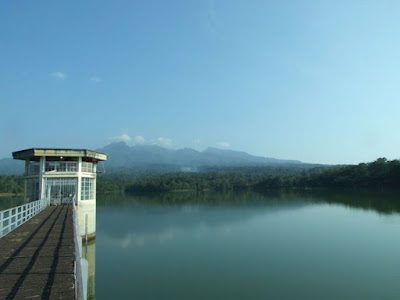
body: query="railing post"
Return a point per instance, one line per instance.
(1, 223)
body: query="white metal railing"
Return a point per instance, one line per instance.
(16, 216)
(81, 264)
(13, 217)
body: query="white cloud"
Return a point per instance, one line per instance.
(95, 78)
(223, 144)
(139, 139)
(122, 138)
(196, 141)
(59, 75)
(165, 142)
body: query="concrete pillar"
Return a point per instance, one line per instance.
(42, 169)
(78, 191)
(86, 209)
(26, 166)
(26, 180)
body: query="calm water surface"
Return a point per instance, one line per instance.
(319, 245)
(10, 202)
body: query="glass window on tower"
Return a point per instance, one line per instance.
(87, 189)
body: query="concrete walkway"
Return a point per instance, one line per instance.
(37, 258)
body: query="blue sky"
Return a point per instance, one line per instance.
(316, 81)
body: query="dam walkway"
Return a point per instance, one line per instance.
(37, 259)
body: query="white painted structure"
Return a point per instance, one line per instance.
(63, 176)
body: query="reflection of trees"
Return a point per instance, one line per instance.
(383, 201)
(126, 217)
(241, 198)
(156, 215)
(9, 202)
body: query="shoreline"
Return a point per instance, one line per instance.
(10, 195)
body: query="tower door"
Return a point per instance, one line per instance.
(61, 190)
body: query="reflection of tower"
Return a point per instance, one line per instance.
(89, 252)
(64, 176)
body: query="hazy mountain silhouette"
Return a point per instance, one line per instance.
(155, 157)
(122, 155)
(9, 166)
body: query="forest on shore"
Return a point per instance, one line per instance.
(381, 173)
(11, 184)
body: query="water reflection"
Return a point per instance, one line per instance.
(137, 219)
(382, 201)
(132, 219)
(10, 202)
(278, 245)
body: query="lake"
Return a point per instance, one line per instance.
(280, 245)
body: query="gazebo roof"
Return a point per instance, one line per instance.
(57, 152)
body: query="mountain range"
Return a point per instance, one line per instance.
(120, 155)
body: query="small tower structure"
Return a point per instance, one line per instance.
(64, 176)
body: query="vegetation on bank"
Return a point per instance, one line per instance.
(380, 173)
(11, 185)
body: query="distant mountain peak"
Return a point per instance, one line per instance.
(120, 154)
(116, 145)
(123, 156)
(215, 149)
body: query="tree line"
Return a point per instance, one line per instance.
(381, 173)
(12, 184)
